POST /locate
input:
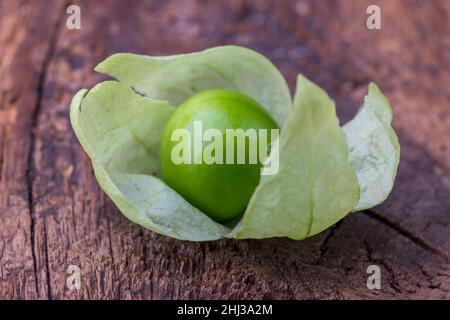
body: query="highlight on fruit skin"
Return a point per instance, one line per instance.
(324, 171)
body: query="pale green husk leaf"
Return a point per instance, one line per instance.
(374, 150)
(315, 186)
(175, 78)
(120, 131)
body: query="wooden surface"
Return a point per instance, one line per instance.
(53, 214)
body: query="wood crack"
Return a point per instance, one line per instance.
(3, 250)
(423, 243)
(370, 256)
(430, 280)
(47, 269)
(30, 172)
(323, 246)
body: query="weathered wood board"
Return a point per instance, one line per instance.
(53, 214)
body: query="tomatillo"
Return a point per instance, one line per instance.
(212, 149)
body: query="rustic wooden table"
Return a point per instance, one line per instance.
(53, 214)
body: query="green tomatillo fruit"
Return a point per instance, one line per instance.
(212, 151)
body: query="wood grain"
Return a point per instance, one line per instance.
(53, 214)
